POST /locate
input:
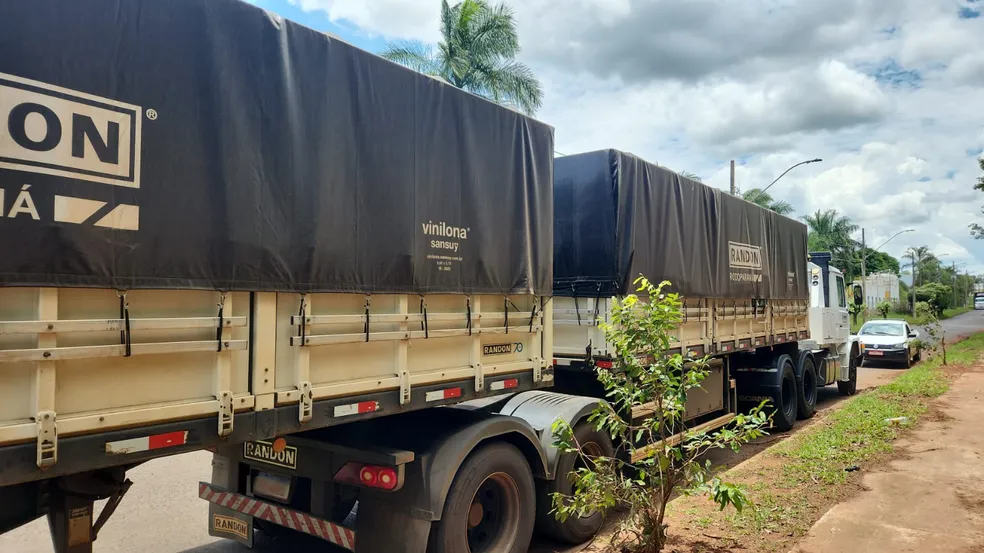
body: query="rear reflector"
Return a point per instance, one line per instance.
(147, 443)
(603, 364)
(356, 408)
(505, 384)
(438, 395)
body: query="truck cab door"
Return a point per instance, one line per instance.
(841, 320)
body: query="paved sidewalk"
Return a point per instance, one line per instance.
(931, 500)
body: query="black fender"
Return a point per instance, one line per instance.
(540, 409)
(406, 515)
(428, 478)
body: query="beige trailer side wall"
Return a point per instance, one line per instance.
(710, 326)
(64, 369)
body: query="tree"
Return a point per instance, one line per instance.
(884, 308)
(691, 176)
(977, 231)
(830, 232)
(922, 261)
(644, 479)
(477, 53)
(764, 199)
(936, 294)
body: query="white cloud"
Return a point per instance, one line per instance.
(885, 92)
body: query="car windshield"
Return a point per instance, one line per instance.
(882, 329)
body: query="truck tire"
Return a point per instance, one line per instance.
(575, 530)
(850, 387)
(785, 396)
(491, 506)
(806, 399)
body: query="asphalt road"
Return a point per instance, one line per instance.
(162, 512)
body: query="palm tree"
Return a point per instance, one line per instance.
(924, 262)
(764, 199)
(476, 53)
(691, 176)
(831, 232)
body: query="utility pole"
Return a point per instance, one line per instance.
(732, 177)
(864, 276)
(953, 269)
(912, 290)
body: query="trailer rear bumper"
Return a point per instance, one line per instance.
(243, 510)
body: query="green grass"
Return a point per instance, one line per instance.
(858, 431)
(813, 461)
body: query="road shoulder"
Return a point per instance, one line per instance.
(931, 499)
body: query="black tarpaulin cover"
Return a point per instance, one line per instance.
(209, 144)
(618, 216)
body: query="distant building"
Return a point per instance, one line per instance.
(881, 287)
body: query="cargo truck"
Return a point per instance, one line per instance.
(230, 232)
(774, 324)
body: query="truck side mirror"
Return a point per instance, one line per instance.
(858, 293)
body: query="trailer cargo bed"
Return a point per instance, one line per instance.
(72, 366)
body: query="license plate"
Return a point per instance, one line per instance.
(272, 486)
(875, 353)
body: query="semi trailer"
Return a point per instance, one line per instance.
(772, 318)
(230, 232)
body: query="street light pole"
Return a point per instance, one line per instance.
(817, 160)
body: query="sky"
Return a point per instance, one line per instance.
(889, 93)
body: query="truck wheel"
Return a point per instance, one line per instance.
(907, 363)
(806, 401)
(490, 507)
(594, 443)
(850, 387)
(784, 399)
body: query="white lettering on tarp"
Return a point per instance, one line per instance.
(744, 256)
(68, 209)
(57, 131)
(24, 204)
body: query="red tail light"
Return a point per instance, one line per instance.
(369, 476)
(603, 364)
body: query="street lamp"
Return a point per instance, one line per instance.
(753, 198)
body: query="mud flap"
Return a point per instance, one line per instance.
(229, 524)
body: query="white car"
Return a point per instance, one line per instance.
(889, 341)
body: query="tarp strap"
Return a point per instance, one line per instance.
(468, 314)
(218, 330)
(125, 317)
(532, 317)
(368, 303)
(577, 311)
(423, 324)
(597, 304)
(301, 314)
